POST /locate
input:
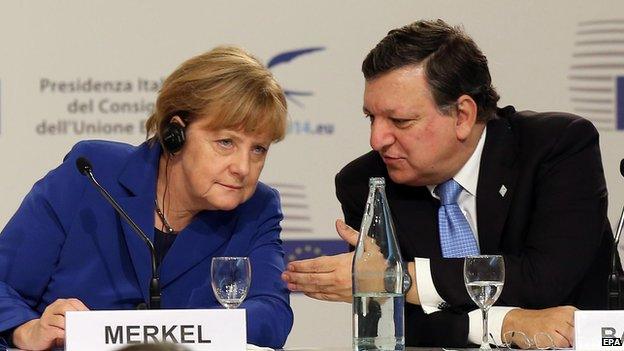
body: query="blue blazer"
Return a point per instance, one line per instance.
(66, 241)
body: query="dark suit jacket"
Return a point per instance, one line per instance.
(551, 225)
(66, 241)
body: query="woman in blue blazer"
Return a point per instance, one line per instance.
(192, 188)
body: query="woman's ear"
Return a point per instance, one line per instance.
(174, 136)
(178, 120)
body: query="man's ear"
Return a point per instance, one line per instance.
(466, 111)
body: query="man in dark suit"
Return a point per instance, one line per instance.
(530, 187)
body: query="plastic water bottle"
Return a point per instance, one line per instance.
(379, 278)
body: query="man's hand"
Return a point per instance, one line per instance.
(558, 322)
(49, 330)
(369, 268)
(327, 277)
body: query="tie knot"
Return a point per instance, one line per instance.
(448, 191)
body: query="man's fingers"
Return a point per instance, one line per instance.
(310, 278)
(567, 331)
(313, 265)
(323, 264)
(319, 282)
(561, 341)
(304, 288)
(566, 327)
(328, 297)
(311, 288)
(347, 233)
(308, 288)
(570, 337)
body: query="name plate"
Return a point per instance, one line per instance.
(599, 330)
(197, 330)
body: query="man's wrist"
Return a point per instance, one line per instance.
(497, 316)
(510, 320)
(411, 295)
(408, 281)
(428, 297)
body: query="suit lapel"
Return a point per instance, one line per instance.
(415, 217)
(139, 178)
(205, 236)
(496, 185)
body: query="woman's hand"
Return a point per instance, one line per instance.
(49, 330)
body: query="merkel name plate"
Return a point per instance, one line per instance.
(197, 330)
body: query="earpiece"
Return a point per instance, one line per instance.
(173, 137)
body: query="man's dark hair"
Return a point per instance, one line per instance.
(453, 64)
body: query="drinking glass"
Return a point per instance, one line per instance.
(231, 277)
(484, 277)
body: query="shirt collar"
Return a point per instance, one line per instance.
(468, 175)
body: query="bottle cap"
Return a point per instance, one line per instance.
(375, 181)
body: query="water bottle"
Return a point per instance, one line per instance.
(379, 278)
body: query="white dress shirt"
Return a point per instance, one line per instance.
(467, 177)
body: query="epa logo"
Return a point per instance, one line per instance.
(596, 73)
(610, 337)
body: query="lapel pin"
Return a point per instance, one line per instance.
(502, 191)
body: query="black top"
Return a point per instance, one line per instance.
(162, 244)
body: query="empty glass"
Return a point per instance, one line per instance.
(484, 277)
(231, 278)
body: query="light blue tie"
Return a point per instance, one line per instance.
(456, 238)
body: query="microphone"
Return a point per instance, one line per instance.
(616, 276)
(85, 168)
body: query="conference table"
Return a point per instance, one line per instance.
(337, 349)
(406, 349)
(351, 349)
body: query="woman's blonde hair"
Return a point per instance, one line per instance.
(227, 85)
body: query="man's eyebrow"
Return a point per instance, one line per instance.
(366, 111)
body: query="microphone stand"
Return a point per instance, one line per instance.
(84, 166)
